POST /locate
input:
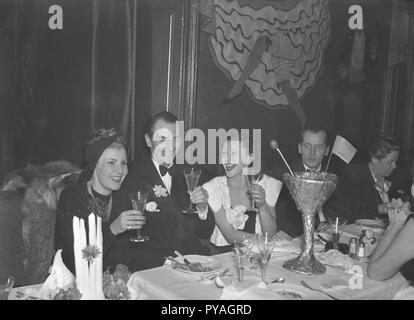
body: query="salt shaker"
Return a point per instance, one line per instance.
(361, 251)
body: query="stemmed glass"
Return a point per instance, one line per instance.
(252, 180)
(139, 200)
(191, 175)
(6, 284)
(336, 224)
(265, 244)
(242, 250)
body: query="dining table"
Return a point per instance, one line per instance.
(170, 283)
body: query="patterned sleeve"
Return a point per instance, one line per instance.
(272, 188)
(214, 194)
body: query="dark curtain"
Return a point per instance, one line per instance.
(8, 62)
(58, 85)
(121, 42)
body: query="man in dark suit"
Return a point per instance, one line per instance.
(364, 190)
(313, 148)
(168, 229)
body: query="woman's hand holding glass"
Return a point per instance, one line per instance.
(257, 195)
(128, 220)
(199, 197)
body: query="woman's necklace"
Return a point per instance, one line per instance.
(102, 208)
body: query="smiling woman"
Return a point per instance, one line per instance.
(242, 207)
(107, 168)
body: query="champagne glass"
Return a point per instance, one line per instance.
(6, 284)
(265, 244)
(242, 250)
(191, 175)
(139, 200)
(250, 181)
(336, 224)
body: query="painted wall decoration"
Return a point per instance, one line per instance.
(275, 48)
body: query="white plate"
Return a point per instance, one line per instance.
(371, 223)
(296, 292)
(213, 264)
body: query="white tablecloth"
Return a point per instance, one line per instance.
(166, 283)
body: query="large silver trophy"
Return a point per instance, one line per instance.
(310, 190)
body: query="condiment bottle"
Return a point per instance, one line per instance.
(361, 251)
(353, 247)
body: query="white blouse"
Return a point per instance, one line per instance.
(219, 197)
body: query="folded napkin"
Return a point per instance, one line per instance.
(137, 289)
(257, 292)
(60, 278)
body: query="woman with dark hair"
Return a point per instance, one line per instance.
(241, 208)
(107, 168)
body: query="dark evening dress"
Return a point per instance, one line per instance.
(76, 201)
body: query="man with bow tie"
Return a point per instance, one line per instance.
(166, 226)
(313, 148)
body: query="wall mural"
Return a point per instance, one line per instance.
(275, 48)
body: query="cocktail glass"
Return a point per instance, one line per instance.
(6, 284)
(265, 244)
(336, 225)
(242, 250)
(139, 201)
(191, 175)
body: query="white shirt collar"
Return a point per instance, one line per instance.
(167, 179)
(309, 169)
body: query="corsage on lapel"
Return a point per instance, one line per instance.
(152, 207)
(160, 191)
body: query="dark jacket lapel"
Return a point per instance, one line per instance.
(369, 183)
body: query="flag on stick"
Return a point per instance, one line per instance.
(343, 149)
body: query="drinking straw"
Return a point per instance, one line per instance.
(336, 225)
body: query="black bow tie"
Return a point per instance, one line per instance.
(164, 170)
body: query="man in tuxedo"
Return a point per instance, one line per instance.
(167, 227)
(313, 148)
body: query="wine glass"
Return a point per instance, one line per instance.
(139, 200)
(252, 179)
(336, 224)
(6, 284)
(242, 250)
(191, 175)
(265, 244)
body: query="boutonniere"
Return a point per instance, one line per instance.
(160, 191)
(151, 207)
